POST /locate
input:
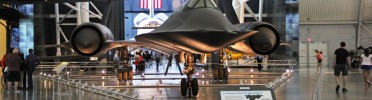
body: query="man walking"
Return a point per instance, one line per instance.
(342, 60)
(31, 62)
(157, 59)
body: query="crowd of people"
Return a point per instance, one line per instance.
(143, 58)
(16, 67)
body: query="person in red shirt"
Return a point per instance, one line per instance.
(3, 63)
(138, 58)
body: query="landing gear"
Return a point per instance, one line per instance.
(126, 73)
(184, 87)
(221, 74)
(189, 85)
(194, 87)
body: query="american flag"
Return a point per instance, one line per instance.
(144, 4)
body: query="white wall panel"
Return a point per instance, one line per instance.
(328, 10)
(367, 12)
(330, 34)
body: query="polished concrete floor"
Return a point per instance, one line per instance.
(300, 86)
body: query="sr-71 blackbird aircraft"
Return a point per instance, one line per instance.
(197, 27)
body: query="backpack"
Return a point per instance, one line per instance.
(2, 63)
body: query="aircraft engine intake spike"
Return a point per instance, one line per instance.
(264, 42)
(89, 39)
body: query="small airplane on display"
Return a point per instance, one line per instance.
(198, 27)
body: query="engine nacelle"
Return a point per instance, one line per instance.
(264, 42)
(89, 39)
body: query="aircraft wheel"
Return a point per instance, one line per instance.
(221, 73)
(130, 73)
(195, 87)
(226, 74)
(215, 74)
(183, 87)
(120, 75)
(125, 73)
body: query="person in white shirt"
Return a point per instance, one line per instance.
(366, 66)
(265, 58)
(116, 61)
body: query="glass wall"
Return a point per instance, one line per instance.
(23, 35)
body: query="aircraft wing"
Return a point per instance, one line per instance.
(63, 57)
(133, 43)
(66, 45)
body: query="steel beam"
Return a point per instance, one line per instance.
(239, 9)
(71, 6)
(328, 23)
(56, 9)
(260, 10)
(84, 12)
(78, 13)
(250, 11)
(95, 8)
(359, 23)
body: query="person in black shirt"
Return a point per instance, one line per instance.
(342, 59)
(31, 62)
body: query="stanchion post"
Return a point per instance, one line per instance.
(53, 85)
(80, 89)
(59, 87)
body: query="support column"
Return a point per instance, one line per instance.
(84, 13)
(260, 10)
(58, 35)
(239, 9)
(359, 24)
(78, 13)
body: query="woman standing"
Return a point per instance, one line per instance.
(366, 65)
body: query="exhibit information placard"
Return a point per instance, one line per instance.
(246, 95)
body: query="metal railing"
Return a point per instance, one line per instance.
(100, 90)
(243, 62)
